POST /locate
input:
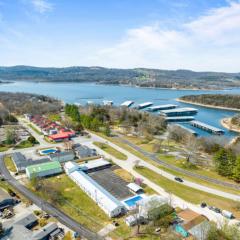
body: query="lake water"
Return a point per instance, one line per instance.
(81, 93)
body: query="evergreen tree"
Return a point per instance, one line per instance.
(236, 170)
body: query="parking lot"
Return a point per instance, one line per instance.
(112, 183)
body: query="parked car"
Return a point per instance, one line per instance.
(227, 214)
(217, 210)
(178, 179)
(203, 205)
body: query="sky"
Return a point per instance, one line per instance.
(201, 35)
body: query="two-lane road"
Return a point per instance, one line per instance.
(45, 206)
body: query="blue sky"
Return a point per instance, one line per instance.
(200, 35)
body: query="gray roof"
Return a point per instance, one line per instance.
(59, 154)
(27, 219)
(21, 162)
(45, 231)
(3, 195)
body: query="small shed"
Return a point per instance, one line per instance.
(135, 188)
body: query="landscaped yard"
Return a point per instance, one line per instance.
(112, 151)
(3, 148)
(9, 164)
(24, 144)
(189, 194)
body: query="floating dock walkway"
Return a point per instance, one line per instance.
(179, 112)
(127, 104)
(207, 127)
(161, 107)
(107, 103)
(179, 119)
(144, 105)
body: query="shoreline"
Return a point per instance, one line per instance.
(225, 122)
(208, 106)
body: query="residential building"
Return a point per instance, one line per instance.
(192, 224)
(44, 232)
(43, 169)
(135, 188)
(109, 204)
(21, 162)
(5, 200)
(62, 156)
(62, 135)
(95, 165)
(83, 151)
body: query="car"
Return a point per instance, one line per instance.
(178, 179)
(203, 205)
(214, 209)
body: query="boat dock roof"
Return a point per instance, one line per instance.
(179, 119)
(207, 127)
(127, 103)
(179, 110)
(187, 129)
(145, 104)
(162, 107)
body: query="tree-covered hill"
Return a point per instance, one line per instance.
(138, 77)
(218, 100)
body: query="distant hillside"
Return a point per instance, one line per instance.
(138, 77)
(217, 100)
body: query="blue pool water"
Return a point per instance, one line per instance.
(48, 151)
(132, 201)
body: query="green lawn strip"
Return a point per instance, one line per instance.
(112, 151)
(35, 129)
(189, 194)
(24, 144)
(9, 163)
(89, 214)
(3, 148)
(54, 117)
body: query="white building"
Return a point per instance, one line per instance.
(109, 204)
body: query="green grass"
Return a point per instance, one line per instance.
(112, 151)
(54, 117)
(35, 129)
(24, 144)
(9, 164)
(189, 194)
(4, 148)
(90, 215)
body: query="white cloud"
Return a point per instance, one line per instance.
(42, 6)
(210, 42)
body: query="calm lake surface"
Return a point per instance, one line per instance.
(81, 93)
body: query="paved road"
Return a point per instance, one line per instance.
(180, 170)
(45, 206)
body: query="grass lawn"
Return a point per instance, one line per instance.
(4, 148)
(54, 117)
(24, 144)
(89, 214)
(190, 194)
(9, 164)
(35, 129)
(105, 147)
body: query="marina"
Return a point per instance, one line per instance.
(179, 112)
(107, 103)
(144, 105)
(127, 104)
(187, 129)
(207, 127)
(179, 119)
(161, 107)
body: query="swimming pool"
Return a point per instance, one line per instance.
(47, 151)
(132, 201)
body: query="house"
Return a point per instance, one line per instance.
(105, 200)
(21, 162)
(27, 220)
(5, 200)
(44, 233)
(62, 135)
(43, 169)
(62, 156)
(192, 224)
(83, 151)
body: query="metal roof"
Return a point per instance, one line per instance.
(179, 110)
(26, 219)
(94, 164)
(45, 231)
(134, 187)
(201, 124)
(44, 167)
